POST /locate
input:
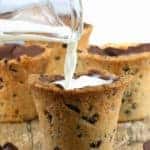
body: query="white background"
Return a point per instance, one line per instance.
(113, 20)
(118, 20)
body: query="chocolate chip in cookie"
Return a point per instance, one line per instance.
(9, 146)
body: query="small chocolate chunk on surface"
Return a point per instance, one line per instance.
(64, 45)
(57, 148)
(91, 119)
(73, 107)
(95, 144)
(48, 79)
(57, 58)
(9, 146)
(127, 112)
(48, 115)
(1, 83)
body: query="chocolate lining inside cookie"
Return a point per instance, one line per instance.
(49, 79)
(95, 73)
(12, 51)
(111, 51)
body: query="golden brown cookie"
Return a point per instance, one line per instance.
(126, 60)
(57, 60)
(17, 62)
(82, 119)
(84, 41)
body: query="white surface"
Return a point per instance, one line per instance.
(84, 81)
(118, 20)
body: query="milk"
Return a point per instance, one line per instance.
(70, 63)
(84, 81)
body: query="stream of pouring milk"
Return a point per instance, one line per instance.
(70, 62)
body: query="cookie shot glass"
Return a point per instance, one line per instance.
(81, 118)
(126, 59)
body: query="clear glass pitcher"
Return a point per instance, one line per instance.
(44, 20)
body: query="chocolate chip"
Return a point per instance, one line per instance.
(140, 76)
(111, 137)
(1, 104)
(9, 146)
(95, 144)
(57, 148)
(18, 59)
(21, 82)
(79, 135)
(79, 51)
(11, 68)
(1, 83)
(57, 58)
(134, 105)
(127, 112)
(86, 25)
(128, 94)
(48, 79)
(14, 95)
(1, 79)
(90, 108)
(59, 86)
(72, 107)
(123, 100)
(1, 147)
(146, 145)
(16, 111)
(126, 69)
(78, 127)
(91, 119)
(48, 115)
(5, 61)
(114, 130)
(64, 45)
